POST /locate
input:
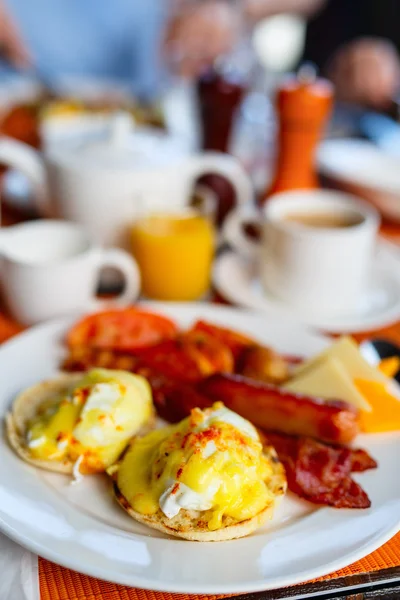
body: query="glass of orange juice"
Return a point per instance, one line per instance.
(174, 251)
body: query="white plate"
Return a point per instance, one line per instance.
(360, 167)
(82, 528)
(236, 279)
(361, 162)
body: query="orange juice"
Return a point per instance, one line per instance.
(174, 253)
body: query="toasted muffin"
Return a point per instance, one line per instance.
(24, 409)
(207, 478)
(192, 525)
(79, 423)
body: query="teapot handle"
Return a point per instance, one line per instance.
(227, 166)
(22, 157)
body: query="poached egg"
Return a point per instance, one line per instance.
(212, 462)
(93, 422)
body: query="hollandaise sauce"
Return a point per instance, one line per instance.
(94, 420)
(212, 461)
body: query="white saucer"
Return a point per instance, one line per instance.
(236, 279)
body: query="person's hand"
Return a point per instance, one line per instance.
(12, 46)
(367, 72)
(199, 33)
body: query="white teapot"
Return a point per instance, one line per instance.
(104, 181)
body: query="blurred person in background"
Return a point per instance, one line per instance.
(122, 39)
(357, 45)
(112, 40)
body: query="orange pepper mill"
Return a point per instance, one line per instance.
(304, 104)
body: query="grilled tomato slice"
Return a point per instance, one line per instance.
(125, 330)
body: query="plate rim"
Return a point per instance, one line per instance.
(145, 584)
(331, 171)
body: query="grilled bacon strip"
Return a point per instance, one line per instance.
(362, 461)
(321, 473)
(271, 408)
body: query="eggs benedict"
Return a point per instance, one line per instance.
(79, 423)
(207, 478)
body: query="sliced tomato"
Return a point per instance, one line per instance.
(127, 329)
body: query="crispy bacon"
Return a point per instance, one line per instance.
(275, 409)
(362, 461)
(321, 473)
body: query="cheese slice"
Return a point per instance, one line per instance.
(346, 351)
(329, 379)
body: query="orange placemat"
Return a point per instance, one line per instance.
(57, 583)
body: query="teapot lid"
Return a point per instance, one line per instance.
(128, 147)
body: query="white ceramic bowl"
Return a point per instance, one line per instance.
(360, 168)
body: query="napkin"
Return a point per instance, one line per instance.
(19, 572)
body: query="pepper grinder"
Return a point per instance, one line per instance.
(304, 103)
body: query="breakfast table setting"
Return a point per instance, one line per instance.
(126, 220)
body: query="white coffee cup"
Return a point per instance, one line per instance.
(51, 268)
(317, 270)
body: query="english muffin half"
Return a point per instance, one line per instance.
(79, 423)
(205, 479)
(193, 525)
(26, 407)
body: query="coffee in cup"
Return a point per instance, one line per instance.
(325, 220)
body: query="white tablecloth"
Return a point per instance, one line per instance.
(19, 572)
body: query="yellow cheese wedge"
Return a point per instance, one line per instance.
(329, 379)
(346, 351)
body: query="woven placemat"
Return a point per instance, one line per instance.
(57, 583)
